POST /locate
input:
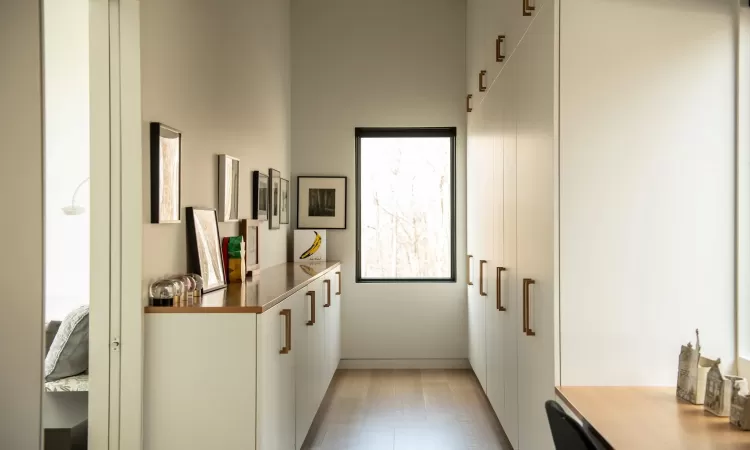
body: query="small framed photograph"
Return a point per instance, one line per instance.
(204, 247)
(251, 233)
(274, 220)
(284, 201)
(260, 196)
(229, 188)
(166, 158)
(321, 203)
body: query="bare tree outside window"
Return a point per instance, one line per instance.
(406, 207)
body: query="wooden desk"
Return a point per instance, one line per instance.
(651, 418)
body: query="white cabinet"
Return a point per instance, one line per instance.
(276, 374)
(332, 313)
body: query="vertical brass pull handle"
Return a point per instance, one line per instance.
(482, 79)
(499, 55)
(339, 275)
(312, 308)
(468, 103)
(288, 344)
(527, 7)
(526, 307)
(482, 292)
(468, 270)
(499, 289)
(328, 293)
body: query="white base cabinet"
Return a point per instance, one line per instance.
(238, 380)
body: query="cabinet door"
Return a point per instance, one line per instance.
(509, 319)
(535, 169)
(276, 366)
(316, 345)
(303, 382)
(332, 308)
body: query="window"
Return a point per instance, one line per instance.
(406, 204)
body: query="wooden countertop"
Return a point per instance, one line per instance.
(651, 418)
(274, 285)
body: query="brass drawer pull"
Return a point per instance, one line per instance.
(482, 80)
(499, 293)
(312, 308)
(468, 104)
(288, 344)
(526, 307)
(528, 7)
(339, 275)
(499, 54)
(482, 292)
(328, 293)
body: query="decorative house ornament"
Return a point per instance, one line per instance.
(739, 414)
(309, 245)
(692, 372)
(718, 399)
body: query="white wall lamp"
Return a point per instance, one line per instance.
(73, 209)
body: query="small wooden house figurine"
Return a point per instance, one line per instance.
(692, 372)
(718, 400)
(739, 415)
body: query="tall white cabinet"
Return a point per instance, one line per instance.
(587, 131)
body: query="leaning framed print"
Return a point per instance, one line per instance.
(284, 201)
(274, 218)
(166, 152)
(260, 195)
(229, 188)
(321, 202)
(204, 247)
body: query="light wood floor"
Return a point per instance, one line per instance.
(405, 410)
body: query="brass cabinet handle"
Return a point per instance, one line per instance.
(312, 307)
(526, 313)
(527, 8)
(339, 275)
(499, 289)
(481, 278)
(328, 293)
(468, 103)
(482, 77)
(499, 56)
(288, 344)
(468, 270)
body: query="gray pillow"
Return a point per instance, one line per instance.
(50, 331)
(69, 353)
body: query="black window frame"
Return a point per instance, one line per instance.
(449, 132)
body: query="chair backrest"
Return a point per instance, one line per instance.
(567, 433)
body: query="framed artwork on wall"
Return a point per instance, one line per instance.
(229, 188)
(284, 201)
(321, 203)
(166, 159)
(204, 247)
(274, 220)
(260, 196)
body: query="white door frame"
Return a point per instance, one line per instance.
(116, 352)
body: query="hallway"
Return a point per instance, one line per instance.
(405, 410)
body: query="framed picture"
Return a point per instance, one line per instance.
(251, 233)
(204, 247)
(284, 201)
(260, 196)
(274, 220)
(321, 203)
(229, 188)
(166, 153)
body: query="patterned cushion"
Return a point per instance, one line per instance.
(78, 383)
(69, 353)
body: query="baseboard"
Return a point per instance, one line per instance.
(404, 364)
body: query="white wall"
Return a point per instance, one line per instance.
(21, 231)
(219, 72)
(66, 157)
(388, 63)
(647, 187)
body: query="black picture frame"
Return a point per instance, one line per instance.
(260, 188)
(274, 203)
(204, 249)
(284, 202)
(303, 219)
(447, 132)
(160, 212)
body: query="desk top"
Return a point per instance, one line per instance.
(651, 418)
(275, 284)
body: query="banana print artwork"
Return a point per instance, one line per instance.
(313, 248)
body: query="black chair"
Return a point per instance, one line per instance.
(568, 434)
